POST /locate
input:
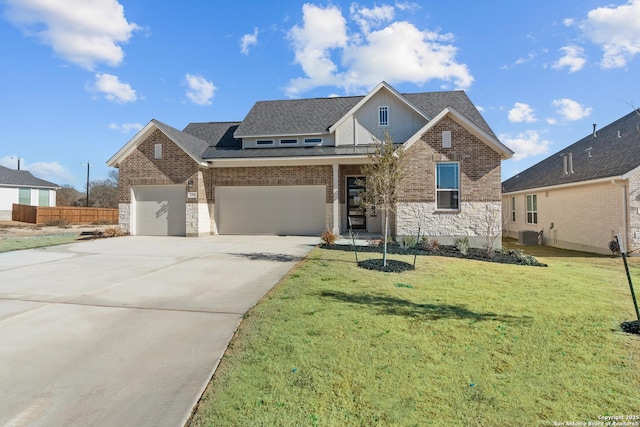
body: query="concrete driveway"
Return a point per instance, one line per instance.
(126, 331)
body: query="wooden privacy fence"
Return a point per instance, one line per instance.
(71, 214)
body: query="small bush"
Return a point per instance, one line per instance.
(113, 232)
(523, 259)
(462, 244)
(408, 242)
(374, 243)
(431, 245)
(329, 237)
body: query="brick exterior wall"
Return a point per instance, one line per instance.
(267, 176)
(175, 167)
(480, 179)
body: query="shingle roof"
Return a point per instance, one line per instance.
(614, 151)
(192, 145)
(215, 134)
(317, 115)
(22, 178)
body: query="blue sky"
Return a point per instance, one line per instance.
(78, 78)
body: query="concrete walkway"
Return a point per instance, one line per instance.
(126, 331)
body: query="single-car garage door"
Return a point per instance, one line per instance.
(286, 210)
(160, 210)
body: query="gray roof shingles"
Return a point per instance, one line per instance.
(222, 140)
(614, 151)
(22, 178)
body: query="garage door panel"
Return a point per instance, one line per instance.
(160, 210)
(292, 210)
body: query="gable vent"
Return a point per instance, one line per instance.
(446, 139)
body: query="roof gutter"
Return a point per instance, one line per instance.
(289, 161)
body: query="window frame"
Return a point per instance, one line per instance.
(288, 141)
(44, 196)
(456, 190)
(514, 217)
(531, 208)
(313, 141)
(383, 116)
(21, 197)
(264, 141)
(157, 151)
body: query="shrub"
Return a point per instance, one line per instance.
(431, 245)
(408, 242)
(113, 232)
(523, 259)
(329, 237)
(462, 244)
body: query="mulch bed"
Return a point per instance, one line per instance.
(393, 266)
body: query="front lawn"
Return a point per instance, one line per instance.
(455, 342)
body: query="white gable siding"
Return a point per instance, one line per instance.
(403, 121)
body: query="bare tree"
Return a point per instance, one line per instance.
(383, 175)
(66, 195)
(104, 193)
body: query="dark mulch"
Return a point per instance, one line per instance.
(631, 327)
(393, 266)
(507, 256)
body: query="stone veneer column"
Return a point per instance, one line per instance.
(336, 199)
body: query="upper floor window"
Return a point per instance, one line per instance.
(157, 151)
(532, 208)
(288, 141)
(383, 116)
(448, 185)
(313, 140)
(264, 142)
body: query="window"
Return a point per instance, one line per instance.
(383, 116)
(24, 196)
(157, 151)
(532, 209)
(43, 197)
(264, 142)
(448, 186)
(513, 209)
(313, 140)
(288, 141)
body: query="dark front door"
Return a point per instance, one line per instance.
(355, 212)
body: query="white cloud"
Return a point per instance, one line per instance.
(332, 54)
(526, 144)
(617, 30)
(84, 32)
(113, 89)
(248, 40)
(573, 59)
(126, 127)
(521, 113)
(570, 109)
(200, 90)
(49, 171)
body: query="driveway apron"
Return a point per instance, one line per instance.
(126, 331)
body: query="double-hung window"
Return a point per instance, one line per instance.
(532, 209)
(513, 209)
(448, 186)
(383, 116)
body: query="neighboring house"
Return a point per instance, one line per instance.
(20, 187)
(293, 167)
(583, 196)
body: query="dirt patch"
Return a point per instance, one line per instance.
(9, 229)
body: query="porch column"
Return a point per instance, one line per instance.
(336, 199)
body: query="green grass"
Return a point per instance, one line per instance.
(30, 242)
(455, 342)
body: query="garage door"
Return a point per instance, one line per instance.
(160, 210)
(285, 210)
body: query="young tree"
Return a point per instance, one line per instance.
(383, 175)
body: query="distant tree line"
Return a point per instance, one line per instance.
(103, 193)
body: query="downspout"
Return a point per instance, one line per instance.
(625, 214)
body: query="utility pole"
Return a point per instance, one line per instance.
(88, 167)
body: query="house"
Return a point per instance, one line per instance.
(583, 196)
(21, 187)
(294, 167)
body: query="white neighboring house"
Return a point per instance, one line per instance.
(19, 186)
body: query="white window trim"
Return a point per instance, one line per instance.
(513, 209)
(459, 188)
(384, 108)
(157, 151)
(533, 212)
(288, 143)
(446, 139)
(264, 141)
(306, 141)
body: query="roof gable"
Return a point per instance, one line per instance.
(612, 152)
(22, 178)
(469, 125)
(190, 144)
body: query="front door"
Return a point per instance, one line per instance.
(355, 212)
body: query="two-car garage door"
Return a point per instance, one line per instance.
(284, 210)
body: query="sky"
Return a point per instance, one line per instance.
(79, 78)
